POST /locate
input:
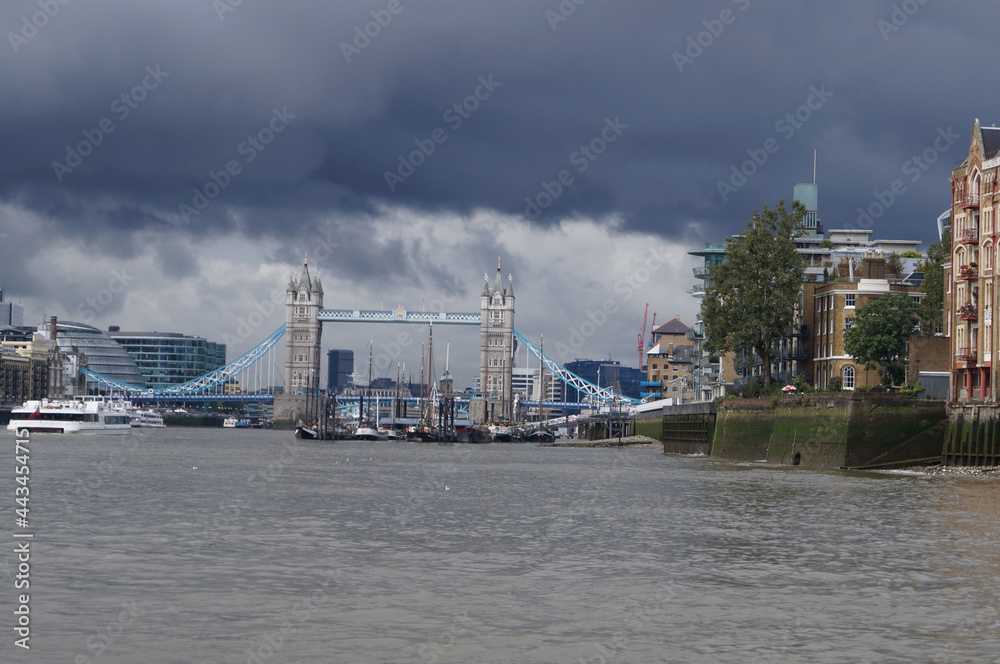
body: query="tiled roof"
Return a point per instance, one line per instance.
(991, 140)
(673, 326)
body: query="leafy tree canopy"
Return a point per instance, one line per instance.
(750, 301)
(932, 304)
(882, 328)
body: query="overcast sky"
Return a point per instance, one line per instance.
(166, 164)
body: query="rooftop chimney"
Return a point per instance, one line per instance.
(52, 328)
(873, 267)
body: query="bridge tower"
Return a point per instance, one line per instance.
(303, 300)
(496, 349)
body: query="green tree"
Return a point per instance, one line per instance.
(882, 328)
(751, 297)
(932, 303)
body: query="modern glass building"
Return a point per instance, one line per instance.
(604, 373)
(340, 366)
(11, 313)
(102, 353)
(170, 358)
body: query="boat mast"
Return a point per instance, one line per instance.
(541, 374)
(421, 384)
(371, 344)
(430, 374)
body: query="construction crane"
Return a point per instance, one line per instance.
(642, 337)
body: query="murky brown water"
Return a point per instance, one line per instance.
(277, 551)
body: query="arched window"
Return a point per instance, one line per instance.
(848, 377)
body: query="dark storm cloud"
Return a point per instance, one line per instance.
(278, 115)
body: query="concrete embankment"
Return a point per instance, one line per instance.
(827, 430)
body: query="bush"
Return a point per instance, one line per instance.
(836, 384)
(755, 389)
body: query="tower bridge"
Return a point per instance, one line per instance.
(302, 332)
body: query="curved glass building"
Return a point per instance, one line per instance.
(104, 354)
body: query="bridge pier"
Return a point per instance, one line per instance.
(288, 410)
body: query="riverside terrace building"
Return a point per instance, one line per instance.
(170, 358)
(970, 295)
(668, 362)
(24, 366)
(834, 304)
(831, 255)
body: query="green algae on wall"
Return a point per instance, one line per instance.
(830, 430)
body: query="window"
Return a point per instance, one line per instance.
(848, 323)
(655, 366)
(848, 377)
(849, 301)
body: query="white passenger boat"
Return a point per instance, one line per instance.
(146, 418)
(81, 415)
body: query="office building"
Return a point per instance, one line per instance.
(11, 313)
(339, 367)
(170, 358)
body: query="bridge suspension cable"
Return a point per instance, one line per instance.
(571, 379)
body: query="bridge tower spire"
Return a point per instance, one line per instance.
(496, 349)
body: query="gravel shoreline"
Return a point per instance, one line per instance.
(968, 471)
(632, 442)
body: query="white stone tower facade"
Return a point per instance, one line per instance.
(496, 355)
(303, 300)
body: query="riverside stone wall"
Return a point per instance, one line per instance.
(830, 430)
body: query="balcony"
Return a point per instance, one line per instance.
(968, 272)
(701, 272)
(970, 201)
(969, 236)
(968, 312)
(799, 353)
(694, 334)
(967, 354)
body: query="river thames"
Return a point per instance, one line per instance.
(219, 546)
